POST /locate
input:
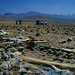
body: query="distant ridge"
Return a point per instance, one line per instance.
(48, 19)
(32, 13)
(8, 18)
(36, 17)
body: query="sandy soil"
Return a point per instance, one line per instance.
(58, 36)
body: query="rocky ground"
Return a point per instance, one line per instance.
(58, 36)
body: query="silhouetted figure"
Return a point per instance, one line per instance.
(19, 21)
(16, 22)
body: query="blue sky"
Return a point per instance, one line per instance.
(43, 6)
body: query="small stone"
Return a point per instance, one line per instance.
(45, 50)
(55, 52)
(21, 44)
(24, 73)
(41, 49)
(20, 48)
(58, 53)
(31, 31)
(15, 45)
(63, 42)
(1, 49)
(71, 54)
(69, 39)
(6, 47)
(50, 51)
(55, 59)
(24, 70)
(67, 61)
(66, 56)
(13, 49)
(61, 59)
(37, 34)
(43, 55)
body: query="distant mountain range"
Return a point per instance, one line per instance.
(31, 13)
(48, 19)
(33, 16)
(8, 18)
